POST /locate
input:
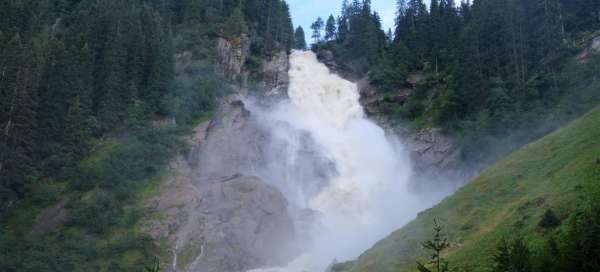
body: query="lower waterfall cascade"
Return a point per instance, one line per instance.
(368, 197)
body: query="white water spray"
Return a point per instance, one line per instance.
(368, 197)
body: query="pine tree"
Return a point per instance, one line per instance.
(342, 22)
(18, 120)
(113, 95)
(317, 26)
(236, 24)
(330, 29)
(512, 257)
(438, 244)
(159, 68)
(77, 132)
(299, 39)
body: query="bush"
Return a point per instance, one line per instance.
(96, 213)
(549, 220)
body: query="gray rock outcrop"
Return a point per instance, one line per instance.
(275, 75)
(225, 207)
(435, 156)
(232, 55)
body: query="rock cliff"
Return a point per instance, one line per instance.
(232, 55)
(211, 214)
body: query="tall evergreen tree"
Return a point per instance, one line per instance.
(300, 39)
(438, 244)
(18, 118)
(330, 29)
(317, 27)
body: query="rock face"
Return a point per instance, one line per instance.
(232, 55)
(210, 217)
(434, 155)
(275, 75)
(432, 149)
(592, 48)
(243, 224)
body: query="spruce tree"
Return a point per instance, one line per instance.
(512, 256)
(317, 26)
(300, 39)
(236, 24)
(77, 132)
(437, 245)
(19, 118)
(330, 29)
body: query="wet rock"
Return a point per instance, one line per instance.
(231, 55)
(431, 149)
(275, 75)
(242, 224)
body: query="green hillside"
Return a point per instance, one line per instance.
(505, 201)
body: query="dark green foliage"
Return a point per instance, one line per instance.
(72, 250)
(119, 168)
(491, 68)
(330, 29)
(549, 220)
(75, 70)
(300, 39)
(574, 248)
(578, 246)
(155, 266)
(512, 257)
(91, 110)
(236, 24)
(358, 41)
(18, 116)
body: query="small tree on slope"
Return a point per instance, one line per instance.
(438, 244)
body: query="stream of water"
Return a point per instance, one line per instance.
(368, 197)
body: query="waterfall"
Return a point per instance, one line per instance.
(367, 197)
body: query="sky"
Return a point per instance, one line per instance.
(305, 12)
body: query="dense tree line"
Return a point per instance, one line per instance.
(74, 70)
(268, 21)
(486, 68)
(491, 67)
(85, 87)
(355, 36)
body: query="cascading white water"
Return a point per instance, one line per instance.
(367, 198)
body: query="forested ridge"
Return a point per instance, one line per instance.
(493, 73)
(91, 110)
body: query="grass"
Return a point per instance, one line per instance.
(505, 200)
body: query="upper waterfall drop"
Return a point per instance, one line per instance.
(320, 94)
(367, 197)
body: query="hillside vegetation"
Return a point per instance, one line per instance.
(508, 200)
(493, 74)
(94, 103)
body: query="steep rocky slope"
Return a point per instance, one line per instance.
(214, 212)
(435, 155)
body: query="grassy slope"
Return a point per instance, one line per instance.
(507, 199)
